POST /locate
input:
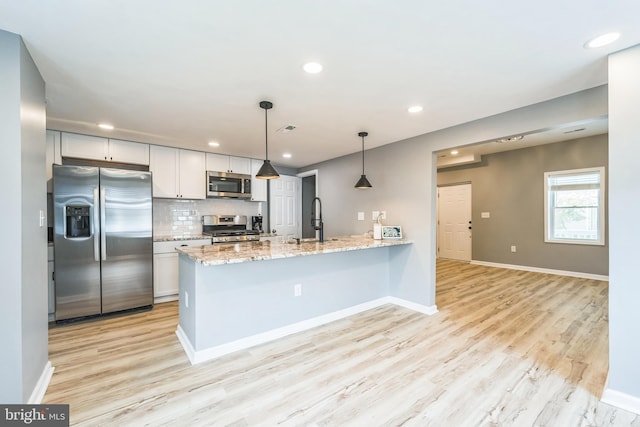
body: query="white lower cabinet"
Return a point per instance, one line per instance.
(165, 267)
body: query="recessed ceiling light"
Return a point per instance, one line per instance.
(602, 40)
(105, 126)
(415, 109)
(214, 144)
(454, 152)
(312, 67)
(286, 155)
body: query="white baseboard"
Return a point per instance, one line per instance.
(186, 345)
(41, 386)
(165, 298)
(253, 340)
(424, 309)
(621, 400)
(543, 270)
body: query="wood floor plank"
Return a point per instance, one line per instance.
(507, 348)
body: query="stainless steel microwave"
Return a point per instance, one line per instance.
(231, 185)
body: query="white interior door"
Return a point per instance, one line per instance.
(285, 202)
(454, 222)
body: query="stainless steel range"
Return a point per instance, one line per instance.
(228, 228)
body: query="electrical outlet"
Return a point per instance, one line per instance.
(186, 299)
(374, 215)
(297, 290)
(513, 248)
(360, 216)
(383, 215)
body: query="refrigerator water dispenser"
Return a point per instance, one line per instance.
(78, 222)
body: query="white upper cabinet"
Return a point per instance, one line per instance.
(193, 175)
(128, 152)
(84, 146)
(258, 186)
(163, 163)
(240, 165)
(98, 148)
(177, 174)
(217, 162)
(224, 163)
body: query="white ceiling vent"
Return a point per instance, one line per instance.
(287, 128)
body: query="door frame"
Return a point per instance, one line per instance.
(305, 174)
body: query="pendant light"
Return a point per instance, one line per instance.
(363, 182)
(266, 171)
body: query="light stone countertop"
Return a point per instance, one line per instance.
(179, 238)
(231, 253)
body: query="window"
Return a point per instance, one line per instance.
(574, 206)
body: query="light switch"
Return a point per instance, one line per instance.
(360, 216)
(43, 218)
(485, 215)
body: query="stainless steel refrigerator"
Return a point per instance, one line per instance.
(103, 240)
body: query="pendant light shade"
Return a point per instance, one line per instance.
(267, 171)
(363, 182)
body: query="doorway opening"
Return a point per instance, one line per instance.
(309, 192)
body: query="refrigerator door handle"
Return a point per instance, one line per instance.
(103, 234)
(96, 237)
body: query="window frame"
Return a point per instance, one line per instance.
(601, 207)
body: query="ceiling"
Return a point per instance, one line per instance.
(186, 73)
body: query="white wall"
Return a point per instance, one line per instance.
(624, 231)
(23, 254)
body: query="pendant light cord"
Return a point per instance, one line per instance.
(363, 155)
(266, 137)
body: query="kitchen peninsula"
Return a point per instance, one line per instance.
(234, 296)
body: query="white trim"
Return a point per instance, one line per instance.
(311, 172)
(429, 310)
(308, 173)
(543, 270)
(601, 207)
(186, 345)
(621, 400)
(261, 338)
(165, 298)
(41, 386)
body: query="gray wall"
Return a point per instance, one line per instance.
(23, 256)
(510, 187)
(403, 176)
(624, 232)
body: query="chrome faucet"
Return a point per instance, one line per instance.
(316, 222)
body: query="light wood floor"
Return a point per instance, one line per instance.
(508, 348)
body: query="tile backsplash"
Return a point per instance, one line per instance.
(182, 218)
